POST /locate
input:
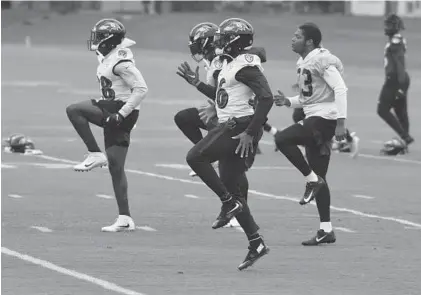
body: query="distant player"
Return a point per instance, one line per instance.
(122, 89)
(323, 97)
(238, 131)
(395, 89)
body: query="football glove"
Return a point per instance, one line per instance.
(184, 71)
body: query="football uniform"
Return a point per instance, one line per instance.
(232, 96)
(316, 96)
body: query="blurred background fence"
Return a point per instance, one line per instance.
(13, 11)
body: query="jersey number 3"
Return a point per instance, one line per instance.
(107, 92)
(222, 95)
(305, 82)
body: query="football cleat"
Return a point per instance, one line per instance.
(232, 223)
(93, 160)
(320, 238)
(255, 253)
(122, 223)
(229, 209)
(312, 188)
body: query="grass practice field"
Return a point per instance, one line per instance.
(51, 215)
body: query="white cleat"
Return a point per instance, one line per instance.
(93, 160)
(233, 223)
(215, 165)
(122, 223)
(355, 149)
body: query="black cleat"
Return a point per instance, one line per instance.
(229, 209)
(312, 188)
(321, 237)
(254, 254)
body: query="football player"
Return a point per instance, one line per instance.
(395, 89)
(238, 130)
(323, 97)
(122, 89)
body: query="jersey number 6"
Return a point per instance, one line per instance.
(222, 95)
(305, 78)
(107, 92)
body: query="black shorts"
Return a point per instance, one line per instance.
(321, 132)
(390, 89)
(116, 135)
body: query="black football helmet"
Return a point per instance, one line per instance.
(201, 39)
(19, 143)
(106, 35)
(234, 36)
(393, 24)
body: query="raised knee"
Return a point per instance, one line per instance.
(181, 117)
(71, 109)
(279, 140)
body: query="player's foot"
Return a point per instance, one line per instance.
(229, 209)
(312, 188)
(122, 223)
(232, 223)
(192, 173)
(321, 237)
(257, 249)
(93, 160)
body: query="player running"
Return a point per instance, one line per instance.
(323, 97)
(122, 88)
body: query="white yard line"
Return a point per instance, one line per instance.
(42, 229)
(69, 272)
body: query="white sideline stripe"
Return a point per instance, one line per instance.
(174, 166)
(355, 212)
(363, 197)
(15, 196)
(72, 273)
(104, 196)
(344, 229)
(187, 167)
(192, 196)
(411, 227)
(146, 228)
(7, 166)
(42, 229)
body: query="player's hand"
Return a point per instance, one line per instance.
(245, 146)
(340, 131)
(114, 119)
(280, 99)
(400, 94)
(208, 112)
(184, 71)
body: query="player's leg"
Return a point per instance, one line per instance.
(231, 171)
(117, 141)
(188, 121)
(320, 164)
(386, 101)
(80, 115)
(400, 107)
(287, 142)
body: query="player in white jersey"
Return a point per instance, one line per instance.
(238, 130)
(122, 89)
(323, 97)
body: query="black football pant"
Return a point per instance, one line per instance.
(218, 145)
(189, 122)
(389, 99)
(315, 134)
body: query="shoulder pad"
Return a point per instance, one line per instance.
(123, 53)
(327, 60)
(216, 64)
(248, 59)
(396, 40)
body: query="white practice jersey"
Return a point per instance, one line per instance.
(315, 95)
(232, 96)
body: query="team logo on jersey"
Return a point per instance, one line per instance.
(218, 64)
(122, 53)
(249, 57)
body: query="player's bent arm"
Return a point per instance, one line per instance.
(254, 78)
(334, 79)
(132, 76)
(399, 59)
(208, 90)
